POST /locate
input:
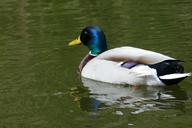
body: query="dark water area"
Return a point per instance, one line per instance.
(39, 82)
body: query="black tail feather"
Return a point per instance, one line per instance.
(168, 67)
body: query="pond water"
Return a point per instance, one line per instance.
(39, 83)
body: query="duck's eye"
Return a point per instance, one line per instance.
(85, 37)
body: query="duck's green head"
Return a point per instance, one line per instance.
(94, 38)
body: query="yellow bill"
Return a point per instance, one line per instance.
(75, 42)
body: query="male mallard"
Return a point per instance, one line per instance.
(126, 65)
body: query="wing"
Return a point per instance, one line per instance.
(133, 54)
(112, 72)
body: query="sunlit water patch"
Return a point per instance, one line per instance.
(95, 95)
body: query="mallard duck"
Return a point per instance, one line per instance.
(126, 65)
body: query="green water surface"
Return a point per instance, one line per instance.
(39, 83)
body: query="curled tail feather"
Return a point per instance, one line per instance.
(170, 71)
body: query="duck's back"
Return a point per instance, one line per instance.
(133, 54)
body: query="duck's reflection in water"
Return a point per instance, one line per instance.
(103, 95)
